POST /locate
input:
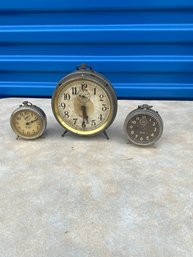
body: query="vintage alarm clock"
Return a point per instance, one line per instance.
(143, 126)
(28, 121)
(84, 102)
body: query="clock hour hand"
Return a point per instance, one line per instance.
(27, 123)
(83, 96)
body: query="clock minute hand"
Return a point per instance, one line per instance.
(85, 116)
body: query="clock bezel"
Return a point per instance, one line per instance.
(38, 111)
(149, 112)
(85, 75)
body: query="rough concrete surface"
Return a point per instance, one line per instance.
(92, 197)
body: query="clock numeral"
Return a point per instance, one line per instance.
(63, 105)
(93, 123)
(152, 134)
(101, 97)
(154, 129)
(133, 122)
(147, 137)
(104, 108)
(84, 86)
(67, 96)
(100, 117)
(141, 138)
(137, 118)
(153, 124)
(66, 114)
(18, 118)
(75, 120)
(95, 91)
(74, 90)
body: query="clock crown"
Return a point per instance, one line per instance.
(145, 106)
(84, 67)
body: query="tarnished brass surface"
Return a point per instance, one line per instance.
(82, 110)
(28, 121)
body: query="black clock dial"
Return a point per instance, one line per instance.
(143, 128)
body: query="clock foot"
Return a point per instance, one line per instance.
(105, 134)
(65, 131)
(43, 136)
(18, 137)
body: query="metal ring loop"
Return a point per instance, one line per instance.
(27, 103)
(84, 67)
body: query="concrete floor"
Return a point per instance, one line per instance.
(92, 197)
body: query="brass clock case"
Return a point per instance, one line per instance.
(85, 74)
(33, 110)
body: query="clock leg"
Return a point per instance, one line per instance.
(105, 134)
(43, 136)
(64, 133)
(18, 137)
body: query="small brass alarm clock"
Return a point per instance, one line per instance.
(84, 102)
(143, 126)
(28, 121)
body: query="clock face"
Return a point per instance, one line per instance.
(143, 129)
(83, 106)
(27, 123)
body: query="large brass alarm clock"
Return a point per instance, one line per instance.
(84, 102)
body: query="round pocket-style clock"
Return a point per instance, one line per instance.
(28, 121)
(84, 102)
(143, 126)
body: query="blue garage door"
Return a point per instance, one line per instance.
(144, 47)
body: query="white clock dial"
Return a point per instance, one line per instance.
(84, 105)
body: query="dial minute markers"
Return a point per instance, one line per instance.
(83, 98)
